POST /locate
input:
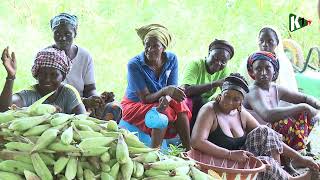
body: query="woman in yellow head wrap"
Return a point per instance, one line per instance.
(152, 84)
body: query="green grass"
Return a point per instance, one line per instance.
(106, 29)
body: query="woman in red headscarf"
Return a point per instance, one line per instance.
(294, 122)
(50, 68)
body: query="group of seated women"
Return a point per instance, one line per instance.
(212, 110)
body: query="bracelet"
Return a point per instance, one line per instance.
(10, 79)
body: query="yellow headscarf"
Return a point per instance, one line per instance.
(155, 30)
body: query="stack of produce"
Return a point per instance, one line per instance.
(38, 143)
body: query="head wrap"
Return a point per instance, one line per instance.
(64, 18)
(222, 44)
(51, 57)
(266, 56)
(235, 82)
(155, 30)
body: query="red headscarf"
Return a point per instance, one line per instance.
(51, 57)
(266, 56)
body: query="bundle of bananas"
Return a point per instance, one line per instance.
(42, 144)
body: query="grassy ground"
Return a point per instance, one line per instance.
(106, 29)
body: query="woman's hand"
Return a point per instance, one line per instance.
(107, 97)
(309, 109)
(175, 93)
(9, 62)
(240, 155)
(217, 83)
(307, 162)
(163, 103)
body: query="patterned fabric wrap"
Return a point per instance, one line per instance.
(111, 111)
(51, 57)
(155, 30)
(266, 56)
(295, 131)
(64, 18)
(261, 141)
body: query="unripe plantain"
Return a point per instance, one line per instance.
(37, 130)
(79, 171)
(6, 117)
(105, 167)
(67, 136)
(115, 170)
(126, 170)
(134, 150)
(15, 166)
(106, 176)
(60, 118)
(88, 174)
(42, 109)
(105, 157)
(94, 151)
(198, 175)
(95, 142)
(9, 176)
(112, 126)
(59, 147)
(122, 152)
(71, 169)
(25, 123)
(60, 164)
(156, 172)
(91, 124)
(19, 146)
(139, 170)
(147, 157)
(40, 167)
(168, 164)
(30, 175)
(45, 139)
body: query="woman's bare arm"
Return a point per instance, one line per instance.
(201, 131)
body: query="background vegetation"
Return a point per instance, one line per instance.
(106, 29)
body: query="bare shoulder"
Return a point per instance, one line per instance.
(206, 111)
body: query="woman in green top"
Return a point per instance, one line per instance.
(50, 68)
(202, 78)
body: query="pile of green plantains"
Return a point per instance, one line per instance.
(37, 143)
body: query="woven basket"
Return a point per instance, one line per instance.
(227, 169)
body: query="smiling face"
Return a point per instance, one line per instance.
(64, 35)
(49, 79)
(263, 71)
(217, 60)
(230, 100)
(153, 48)
(268, 40)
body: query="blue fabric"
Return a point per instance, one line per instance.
(141, 76)
(143, 137)
(154, 119)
